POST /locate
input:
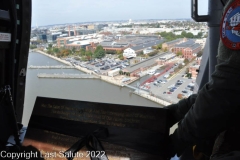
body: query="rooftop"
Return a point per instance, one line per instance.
(174, 41)
(146, 45)
(186, 44)
(145, 63)
(196, 45)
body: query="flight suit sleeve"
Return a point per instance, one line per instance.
(177, 111)
(216, 105)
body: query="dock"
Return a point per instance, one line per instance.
(67, 76)
(52, 67)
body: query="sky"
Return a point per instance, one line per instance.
(48, 12)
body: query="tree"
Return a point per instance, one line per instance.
(49, 46)
(56, 50)
(186, 61)
(199, 35)
(179, 53)
(99, 52)
(154, 47)
(89, 55)
(73, 50)
(152, 53)
(49, 51)
(199, 54)
(189, 35)
(120, 56)
(119, 52)
(180, 66)
(159, 46)
(33, 46)
(110, 52)
(82, 52)
(187, 70)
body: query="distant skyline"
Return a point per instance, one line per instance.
(48, 12)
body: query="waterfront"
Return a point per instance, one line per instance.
(76, 89)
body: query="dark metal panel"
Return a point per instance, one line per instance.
(215, 13)
(4, 15)
(194, 12)
(209, 59)
(203, 74)
(24, 20)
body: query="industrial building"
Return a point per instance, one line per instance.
(169, 45)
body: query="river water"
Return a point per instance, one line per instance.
(94, 90)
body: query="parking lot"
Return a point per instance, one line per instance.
(100, 66)
(168, 89)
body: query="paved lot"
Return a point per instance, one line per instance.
(158, 90)
(110, 62)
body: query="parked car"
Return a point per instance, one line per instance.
(174, 88)
(97, 65)
(163, 82)
(125, 79)
(179, 83)
(96, 71)
(123, 66)
(151, 72)
(166, 76)
(184, 91)
(82, 65)
(105, 68)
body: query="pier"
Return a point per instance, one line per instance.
(73, 76)
(52, 67)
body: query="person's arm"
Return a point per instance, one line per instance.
(214, 109)
(178, 111)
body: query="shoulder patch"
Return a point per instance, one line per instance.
(230, 26)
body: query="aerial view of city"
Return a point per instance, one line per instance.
(159, 58)
(139, 62)
(119, 80)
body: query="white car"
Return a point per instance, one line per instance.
(151, 72)
(125, 79)
(163, 82)
(123, 66)
(166, 76)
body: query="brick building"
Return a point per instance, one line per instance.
(169, 45)
(190, 52)
(193, 70)
(189, 49)
(113, 45)
(180, 47)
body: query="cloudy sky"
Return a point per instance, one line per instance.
(47, 12)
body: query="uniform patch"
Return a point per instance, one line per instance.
(230, 26)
